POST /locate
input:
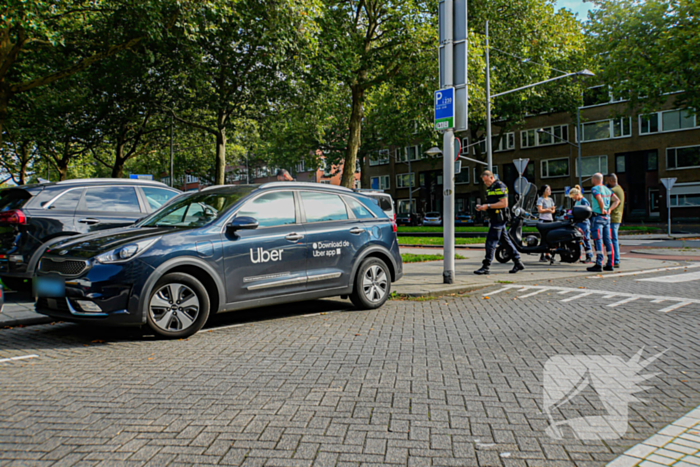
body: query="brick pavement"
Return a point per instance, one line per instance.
(448, 382)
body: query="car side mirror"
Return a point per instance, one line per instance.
(243, 223)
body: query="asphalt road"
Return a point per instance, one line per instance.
(450, 381)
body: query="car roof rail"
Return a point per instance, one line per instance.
(229, 185)
(110, 180)
(304, 185)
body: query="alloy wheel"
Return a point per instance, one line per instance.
(174, 307)
(374, 283)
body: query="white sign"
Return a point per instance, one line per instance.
(669, 182)
(521, 164)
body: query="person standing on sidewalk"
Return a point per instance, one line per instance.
(604, 201)
(495, 209)
(585, 226)
(616, 216)
(546, 207)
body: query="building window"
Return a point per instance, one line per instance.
(380, 183)
(476, 176)
(327, 169)
(463, 176)
(592, 165)
(683, 158)
(403, 180)
(402, 206)
(620, 164)
(506, 143)
(358, 184)
(528, 139)
(379, 158)
(652, 161)
(668, 120)
(554, 168)
(326, 182)
(685, 195)
(556, 134)
(301, 166)
(358, 167)
(596, 95)
(607, 129)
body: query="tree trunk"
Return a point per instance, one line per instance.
(62, 167)
(23, 163)
(355, 135)
(219, 178)
(119, 159)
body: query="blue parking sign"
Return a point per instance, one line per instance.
(445, 109)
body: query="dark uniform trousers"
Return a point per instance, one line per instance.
(497, 226)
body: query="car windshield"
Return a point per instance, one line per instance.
(196, 210)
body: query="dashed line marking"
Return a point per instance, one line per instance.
(532, 290)
(13, 359)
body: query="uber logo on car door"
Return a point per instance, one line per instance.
(260, 255)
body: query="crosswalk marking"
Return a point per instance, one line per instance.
(623, 297)
(23, 357)
(687, 277)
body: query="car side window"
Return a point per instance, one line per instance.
(321, 207)
(68, 201)
(157, 197)
(358, 209)
(271, 209)
(112, 199)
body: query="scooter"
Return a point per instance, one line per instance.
(562, 238)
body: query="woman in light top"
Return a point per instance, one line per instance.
(585, 226)
(546, 208)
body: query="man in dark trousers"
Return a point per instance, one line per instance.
(496, 204)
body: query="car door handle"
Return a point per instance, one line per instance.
(89, 221)
(293, 237)
(356, 230)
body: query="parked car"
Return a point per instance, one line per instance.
(432, 219)
(409, 219)
(384, 200)
(464, 220)
(224, 249)
(33, 216)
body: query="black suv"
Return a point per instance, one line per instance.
(34, 216)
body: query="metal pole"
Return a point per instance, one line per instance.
(668, 203)
(410, 188)
(172, 165)
(448, 160)
(578, 139)
(489, 150)
(247, 170)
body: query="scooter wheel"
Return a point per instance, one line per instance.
(503, 254)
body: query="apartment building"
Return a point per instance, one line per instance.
(640, 149)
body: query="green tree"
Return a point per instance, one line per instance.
(238, 66)
(644, 50)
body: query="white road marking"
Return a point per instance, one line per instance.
(627, 300)
(23, 357)
(582, 293)
(675, 307)
(647, 271)
(576, 297)
(690, 276)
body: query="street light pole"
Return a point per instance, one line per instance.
(578, 140)
(448, 162)
(410, 187)
(489, 149)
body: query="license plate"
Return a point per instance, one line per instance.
(49, 286)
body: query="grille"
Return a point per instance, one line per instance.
(69, 267)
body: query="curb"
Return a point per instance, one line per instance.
(669, 252)
(10, 323)
(442, 292)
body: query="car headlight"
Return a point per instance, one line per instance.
(126, 253)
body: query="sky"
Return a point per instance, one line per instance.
(577, 6)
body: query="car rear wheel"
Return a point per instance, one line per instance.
(372, 284)
(178, 306)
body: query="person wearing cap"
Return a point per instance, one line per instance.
(496, 204)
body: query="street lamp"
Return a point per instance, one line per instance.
(489, 151)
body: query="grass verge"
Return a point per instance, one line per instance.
(406, 229)
(438, 241)
(411, 258)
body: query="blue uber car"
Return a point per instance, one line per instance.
(222, 249)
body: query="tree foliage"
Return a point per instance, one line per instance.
(646, 50)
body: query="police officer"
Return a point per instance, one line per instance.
(496, 204)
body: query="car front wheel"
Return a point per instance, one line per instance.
(178, 306)
(372, 284)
